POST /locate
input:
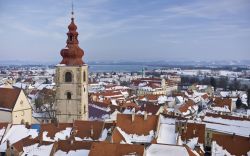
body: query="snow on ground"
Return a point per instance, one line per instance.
(16, 133)
(82, 152)
(217, 150)
(37, 150)
(166, 150)
(129, 138)
(58, 136)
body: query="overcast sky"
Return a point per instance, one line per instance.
(127, 29)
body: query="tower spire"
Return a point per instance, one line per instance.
(72, 7)
(72, 54)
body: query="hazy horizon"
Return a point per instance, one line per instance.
(139, 30)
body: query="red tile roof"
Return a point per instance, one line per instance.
(130, 105)
(83, 129)
(150, 108)
(194, 130)
(220, 102)
(112, 149)
(52, 129)
(68, 145)
(235, 145)
(8, 97)
(229, 117)
(28, 141)
(184, 107)
(139, 126)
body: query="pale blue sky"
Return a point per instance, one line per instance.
(127, 29)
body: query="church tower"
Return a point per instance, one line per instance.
(71, 80)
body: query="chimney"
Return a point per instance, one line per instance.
(133, 116)
(91, 131)
(233, 136)
(40, 137)
(197, 148)
(8, 144)
(71, 142)
(145, 115)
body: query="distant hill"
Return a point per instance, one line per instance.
(151, 63)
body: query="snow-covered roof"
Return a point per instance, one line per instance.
(61, 135)
(220, 109)
(167, 134)
(228, 129)
(130, 138)
(82, 152)
(219, 120)
(166, 150)
(38, 150)
(16, 133)
(218, 150)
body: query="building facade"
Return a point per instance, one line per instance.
(14, 106)
(71, 81)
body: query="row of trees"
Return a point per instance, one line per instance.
(221, 82)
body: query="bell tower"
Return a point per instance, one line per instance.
(71, 80)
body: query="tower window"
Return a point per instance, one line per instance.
(71, 38)
(68, 77)
(68, 95)
(84, 76)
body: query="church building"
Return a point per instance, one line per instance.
(71, 80)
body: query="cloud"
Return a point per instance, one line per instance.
(137, 26)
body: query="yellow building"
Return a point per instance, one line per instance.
(14, 106)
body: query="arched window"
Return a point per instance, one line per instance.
(22, 121)
(68, 77)
(70, 38)
(68, 95)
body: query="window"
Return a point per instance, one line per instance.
(68, 77)
(70, 38)
(22, 121)
(68, 95)
(84, 76)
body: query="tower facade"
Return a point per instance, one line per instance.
(71, 81)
